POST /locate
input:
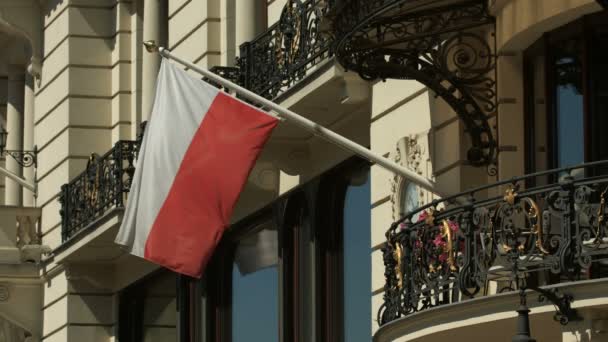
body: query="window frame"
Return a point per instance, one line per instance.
(585, 28)
(323, 201)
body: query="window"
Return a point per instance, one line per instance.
(566, 95)
(297, 270)
(357, 266)
(149, 310)
(344, 230)
(255, 287)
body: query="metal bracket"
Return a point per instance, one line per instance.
(24, 158)
(564, 313)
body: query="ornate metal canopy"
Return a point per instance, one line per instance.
(447, 45)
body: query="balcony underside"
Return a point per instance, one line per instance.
(447, 45)
(480, 318)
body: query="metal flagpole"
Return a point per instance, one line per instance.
(21, 181)
(301, 121)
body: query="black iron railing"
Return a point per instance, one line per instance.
(535, 230)
(230, 73)
(102, 186)
(446, 45)
(282, 56)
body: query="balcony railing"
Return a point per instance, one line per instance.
(102, 186)
(536, 230)
(280, 57)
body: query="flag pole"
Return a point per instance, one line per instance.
(301, 121)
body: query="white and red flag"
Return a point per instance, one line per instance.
(197, 151)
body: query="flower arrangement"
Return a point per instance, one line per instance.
(435, 243)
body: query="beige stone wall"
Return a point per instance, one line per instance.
(520, 22)
(194, 31)
(83, 105)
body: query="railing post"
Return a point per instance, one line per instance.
(117, 155)
(568, 251)
(391, 296)
(467, 275)
(64, 212)
(245, 64)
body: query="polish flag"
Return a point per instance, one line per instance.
(197, 151)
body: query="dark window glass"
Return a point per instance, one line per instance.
(255, 288)
(160, 309)
(569, 103)
(599, 102)
(570, 63)
(149, 311)
(357, 260)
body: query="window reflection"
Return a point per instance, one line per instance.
(255, 288)
(569, 105)
(410, 200)
(357, 261)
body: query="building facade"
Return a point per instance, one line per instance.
(499, 102)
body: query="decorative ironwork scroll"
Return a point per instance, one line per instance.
(24, 158)
(282, 56)
(232, 74)
(553, 231)
(449, 48)
(103, 185)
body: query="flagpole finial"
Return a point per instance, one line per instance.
(151, 46)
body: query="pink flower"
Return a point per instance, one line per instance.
(423, 215)
(418, 244)
(438, 242)
(443, 257)
(453, 226)
(403, 226)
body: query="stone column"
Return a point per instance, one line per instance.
(14, 122)
(251, 19)
(28, 135)
(155, 28)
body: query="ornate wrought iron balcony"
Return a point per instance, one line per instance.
(447, 45)
(281, 56)
(102, 186)
(535, 230)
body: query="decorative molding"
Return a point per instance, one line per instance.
(35, 69)
(5, 293)
(409, 153)
(265, 175)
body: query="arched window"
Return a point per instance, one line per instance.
(565, 74)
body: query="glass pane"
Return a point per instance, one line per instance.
(599, 75)
(569, 104)
(255, 288)
(540, 115)
(357, 262)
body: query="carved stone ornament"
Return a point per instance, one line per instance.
(4, 293)
(409, 153)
